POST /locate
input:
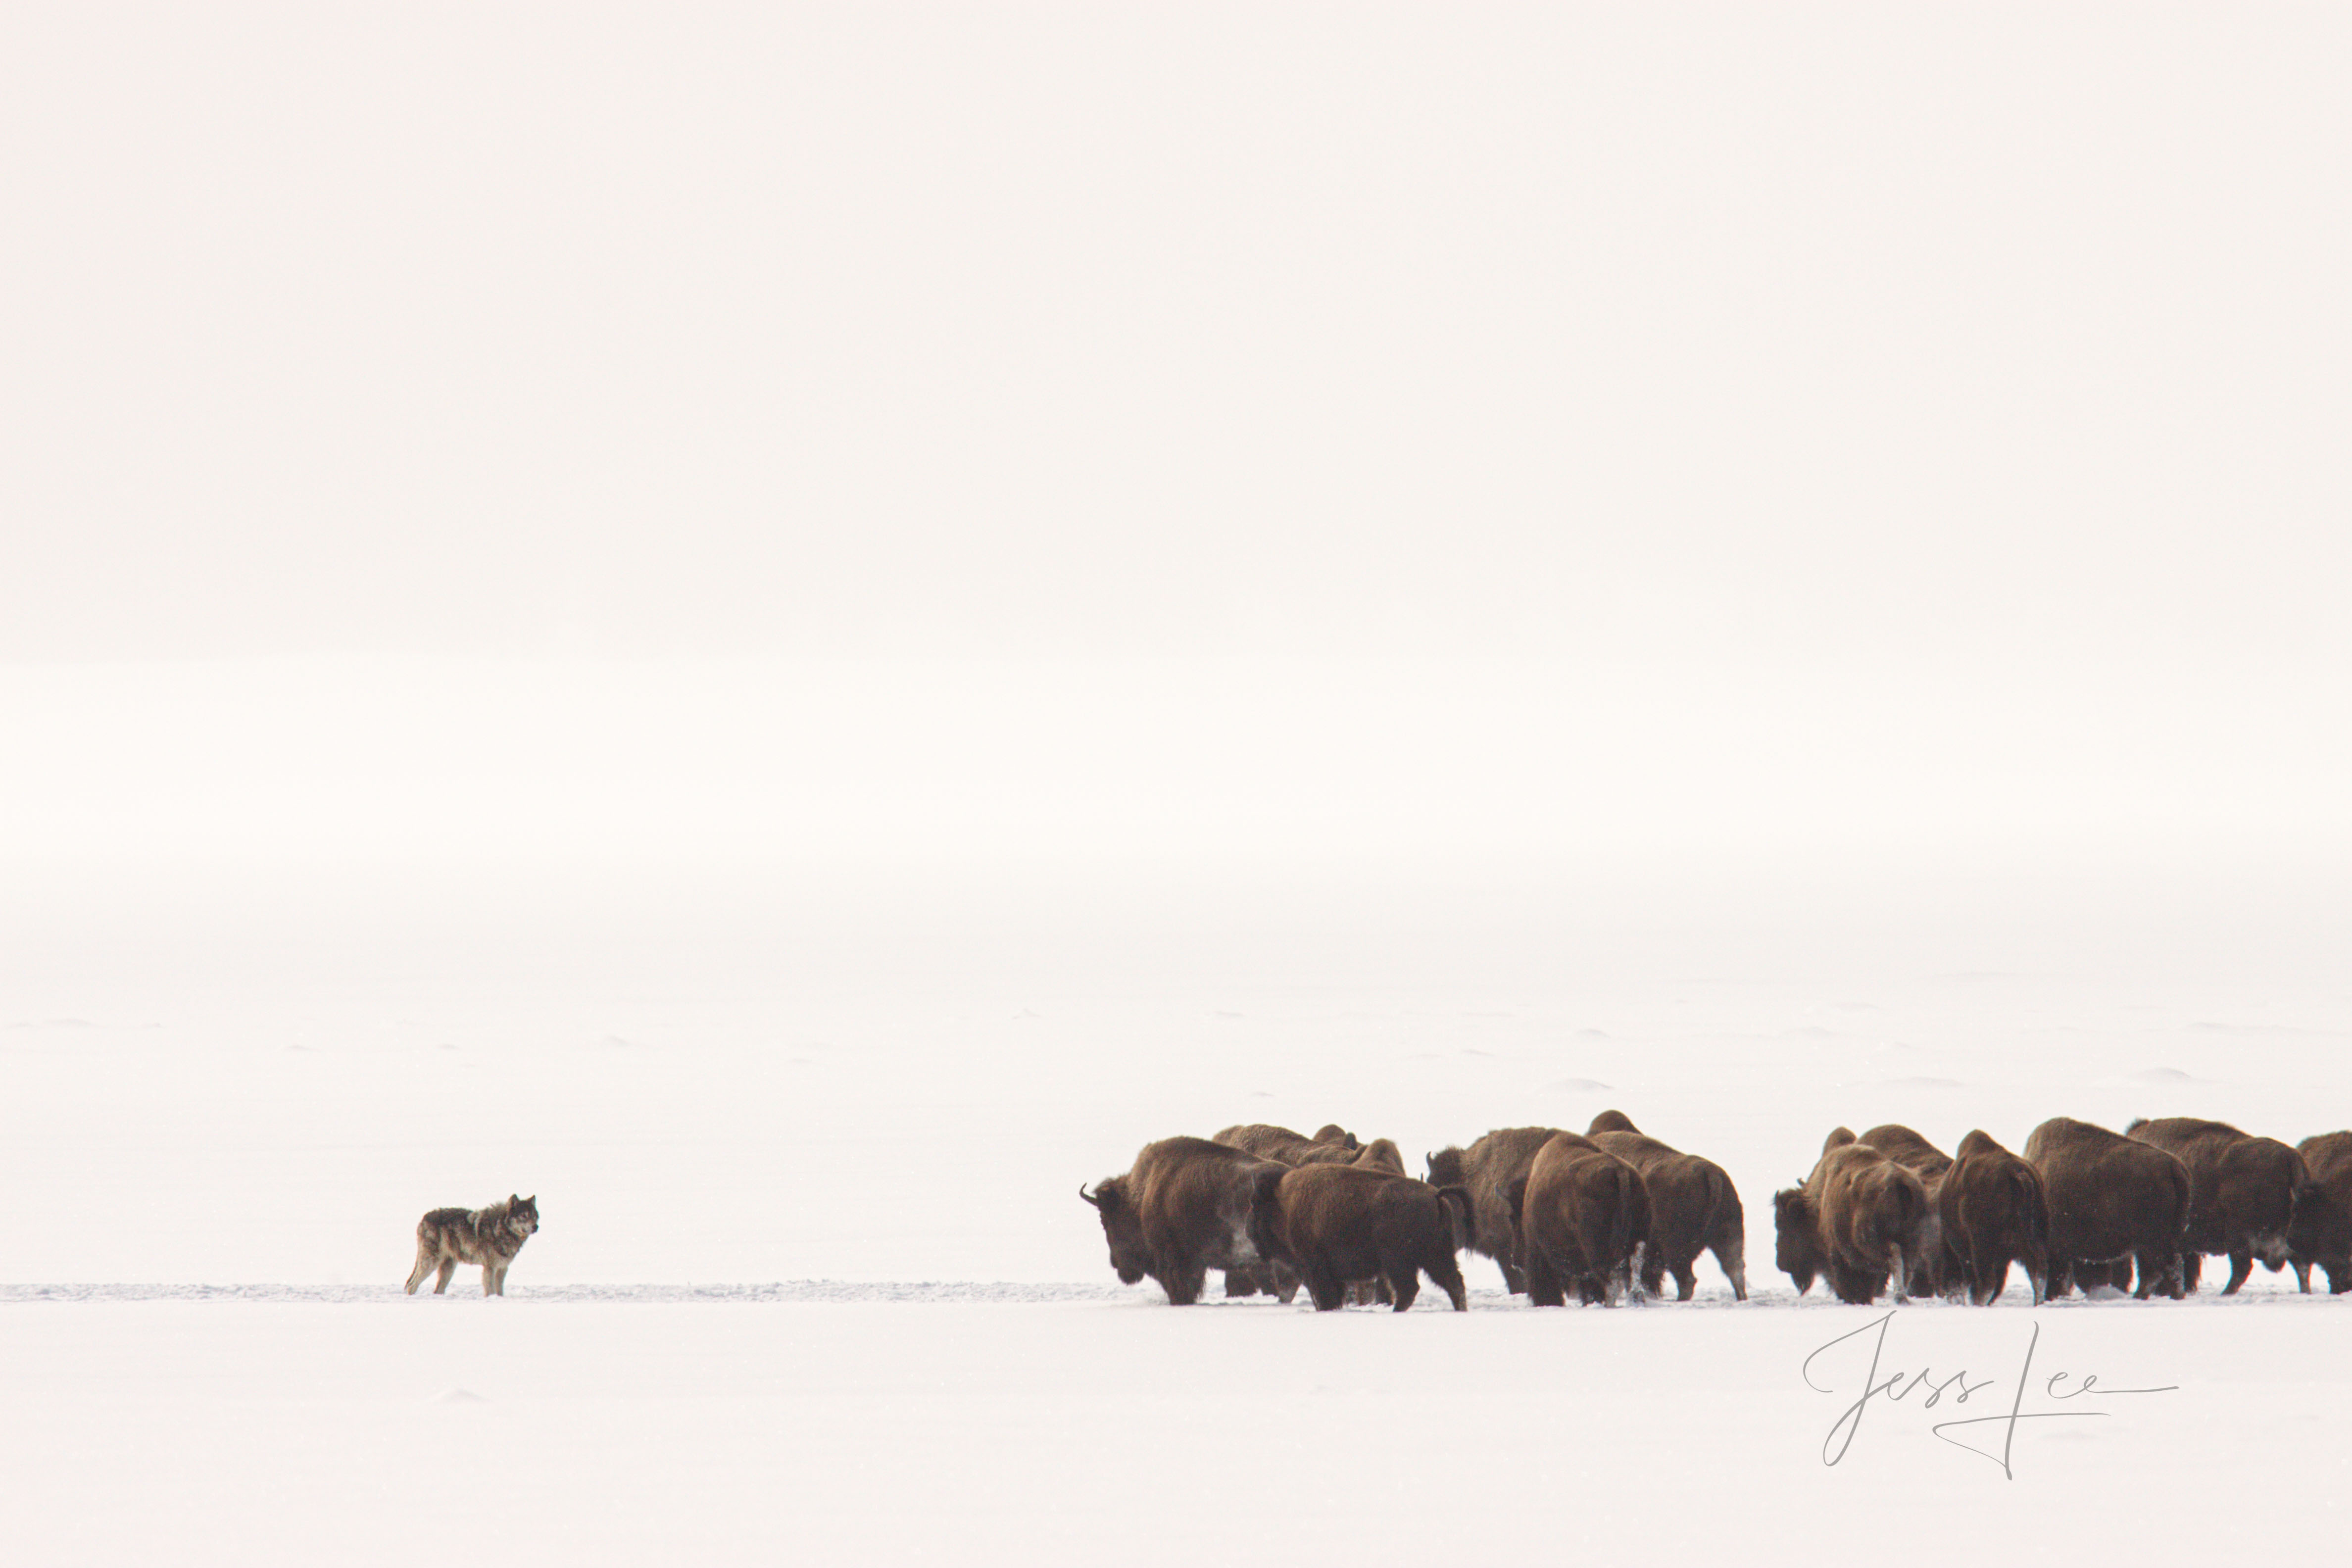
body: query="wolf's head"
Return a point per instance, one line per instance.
(523, 1215)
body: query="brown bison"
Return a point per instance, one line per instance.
(1581, 1216)
(1379, 1154)
(1929, 1269)
(1186, 1207)
(1692, 1209)
(2111, 1198)
(1339, 1224)
(1856, 1221)
(1331, 1144)
(1994, 1213)
(1908, 1150)
(2323, 1233)
(2243, 1193)
(1487, 1168)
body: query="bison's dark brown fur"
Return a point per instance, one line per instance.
(1332, 1144)
(1486, 1168)
(1335, 1223)
(2111, 1197)
(1909, 1150)
(1994, 1213)
(2323, 1231)
(1856, 1221)
(2243, 1193)
(1692, 1208)
(1580, 1214)
(1379, 1154)
(1270, 1142)
(1929, 1267)
(1184, 1208)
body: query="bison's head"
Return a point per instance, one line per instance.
(1612, 1122)
(1122, 1228)
(1444, 1167)
(1331, 1132)
(1798, 1255)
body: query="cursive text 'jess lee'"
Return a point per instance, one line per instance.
(1900, 1385)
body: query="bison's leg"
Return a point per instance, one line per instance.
(1732, 1258)
(2241, 1265)
(1183, 1279)
(1856, 1286)
(2339, 1275)
(1448, 1275)
(1654, 1264)
(1686, 1283)
(1543, 1285)
(2161, 1271)
(1404, 1284)
(1241, 1282)
(1324, 1285)
(2302, 1268)
(1984, 1285)
(1515, 1279)
(2192, 1268)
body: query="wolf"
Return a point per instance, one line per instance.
(490, 1236)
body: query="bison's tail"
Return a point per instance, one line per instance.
(1909, 1204)
(2031, 1206)
(1621, 1221)
(1722, 1202)
(1463, 1214)
(1265, 1213)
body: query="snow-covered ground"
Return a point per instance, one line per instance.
(814, 1284)
(550, 1429)
(794, 627)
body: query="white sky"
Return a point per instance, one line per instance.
(1872, 412)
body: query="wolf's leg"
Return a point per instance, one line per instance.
(424, 1266)
(489, 1279)
(449, 1268)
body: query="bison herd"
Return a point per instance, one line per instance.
(1608, 1214)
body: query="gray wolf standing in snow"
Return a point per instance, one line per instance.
(490, 1236)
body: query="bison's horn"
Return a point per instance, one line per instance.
(1088, 1196)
